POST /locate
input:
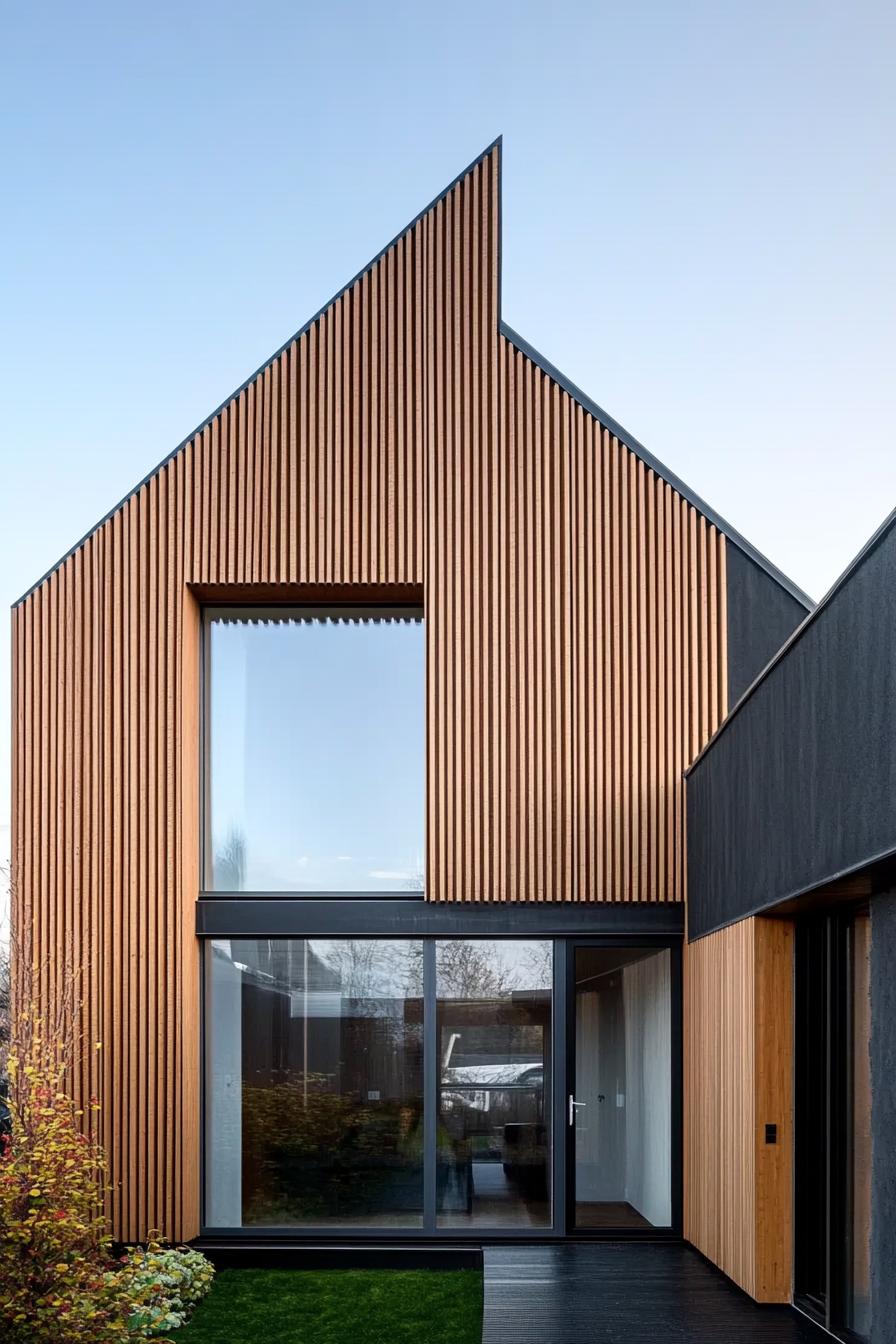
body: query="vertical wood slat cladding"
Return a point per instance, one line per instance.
(576, 609)
(738, 1015)
(314, 474)
(575, 651)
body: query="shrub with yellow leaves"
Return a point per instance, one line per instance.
(54, 1242)
(59, 1281)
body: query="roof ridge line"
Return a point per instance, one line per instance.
(588, 404)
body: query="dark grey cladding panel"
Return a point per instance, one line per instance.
(761, 616)
(261, 916)
(799, 785)
(883, 1119)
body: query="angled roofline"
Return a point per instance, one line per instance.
(871, 545)
(657, 466)
(516, 340)
(306, 326)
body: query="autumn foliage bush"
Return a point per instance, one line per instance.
(54, 1243)
(59, 1280)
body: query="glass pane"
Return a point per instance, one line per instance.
(315, 764)
(623, 1088)
(494, 1123)
(314, 1083)
(858, 1295)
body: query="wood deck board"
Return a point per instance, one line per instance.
(625, 1293)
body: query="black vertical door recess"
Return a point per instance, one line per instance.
(812, 1116)
(832, 1130)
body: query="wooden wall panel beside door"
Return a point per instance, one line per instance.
(773, 970)
(738, 1072)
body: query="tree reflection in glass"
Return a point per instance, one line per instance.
(494, 1130)
(328, 1106)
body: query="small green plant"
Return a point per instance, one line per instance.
(163, 1285)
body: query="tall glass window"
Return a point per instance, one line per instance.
(314, 1083)
(314, 772)
(494, 1126)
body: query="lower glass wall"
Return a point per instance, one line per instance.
(380, 1084)
(314, 1093)
(314, 1083)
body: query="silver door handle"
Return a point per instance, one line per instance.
(573, 1107)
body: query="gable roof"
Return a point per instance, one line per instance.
(576, 394)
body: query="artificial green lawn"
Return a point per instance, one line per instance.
(339, 1306)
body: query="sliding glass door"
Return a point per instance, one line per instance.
(378, 1084)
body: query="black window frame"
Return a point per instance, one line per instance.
(567, 925)
(406, 610)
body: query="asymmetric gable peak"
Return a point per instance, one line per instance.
(432, 271)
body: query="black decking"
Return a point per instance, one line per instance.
(625, 1293)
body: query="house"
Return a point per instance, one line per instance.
(349, 763)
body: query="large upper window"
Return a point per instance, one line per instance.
(314, 762)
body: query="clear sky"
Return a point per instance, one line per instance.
(699, 224)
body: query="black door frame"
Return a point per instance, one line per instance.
(676, 1100)
(833, 932)
(568, 924)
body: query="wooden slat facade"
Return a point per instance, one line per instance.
(577, 615)
(400, 446)
(738, 1062)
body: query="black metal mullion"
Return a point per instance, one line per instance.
(430, 1084)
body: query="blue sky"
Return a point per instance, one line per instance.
(700, 206)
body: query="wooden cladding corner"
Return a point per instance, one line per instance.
(738, 1078)
(576, 632)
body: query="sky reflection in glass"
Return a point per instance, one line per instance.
(315, 752)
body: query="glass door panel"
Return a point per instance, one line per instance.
(620, 1104)
(493, 1138)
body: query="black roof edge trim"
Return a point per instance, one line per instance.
(856, 563)
(769, 908)
(657, 466)
(495, 144)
